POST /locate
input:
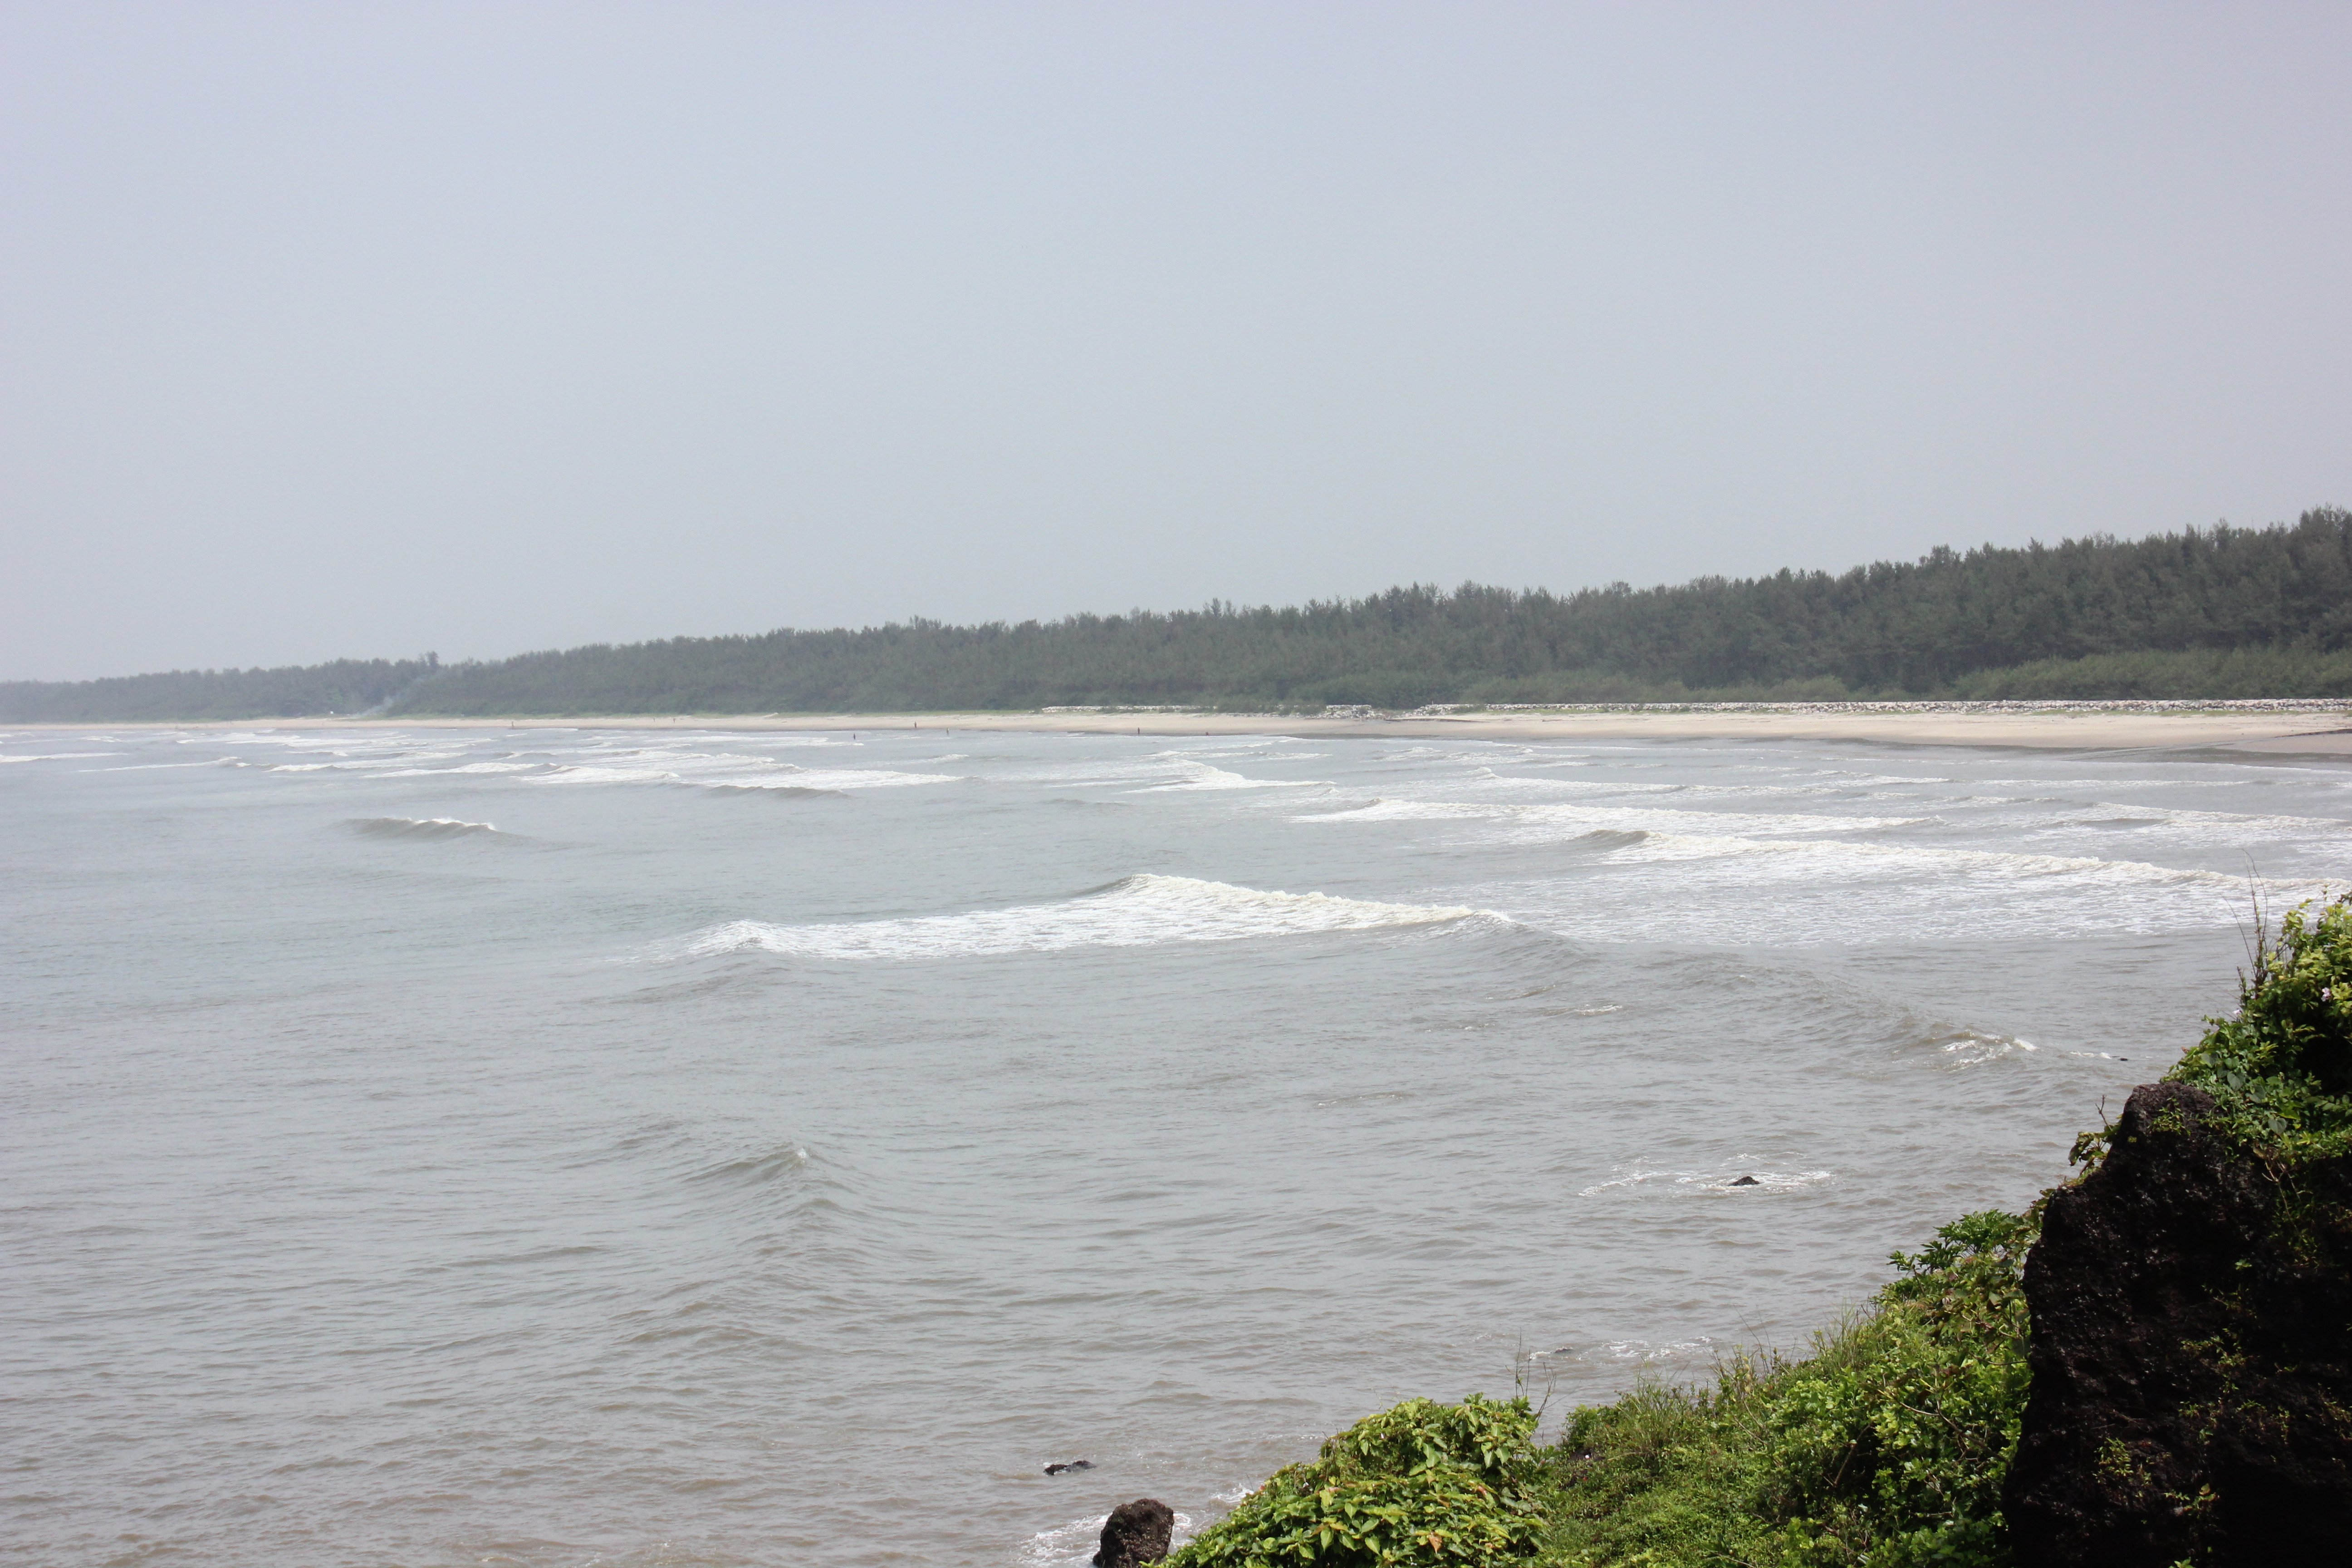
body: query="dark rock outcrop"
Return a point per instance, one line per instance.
(1136, 1532)
(2192, 1354)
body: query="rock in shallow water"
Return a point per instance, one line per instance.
(1136, 1532)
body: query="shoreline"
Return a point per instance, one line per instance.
(2320, 728)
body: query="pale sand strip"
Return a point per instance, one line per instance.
(2322, 729)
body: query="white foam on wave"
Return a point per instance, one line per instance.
(1094, 771)
(658, 755)
(829, 779)
(582, 774)
(462, 768)
(1136, 911)
(1207, 776)
(1810, 858)
(341, 744)
(727, 770)
(1480, 752)
(1487, 778)
(418, 827)
(1714, 1181)
(1973, 1047)
(1846, 778)
(59, 756)
(1647, 1351)
(1075, 1543)
(1727, 890)
(1553, 821)
(348, 765)
(2200, 823)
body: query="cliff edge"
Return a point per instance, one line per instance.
(2190, 1297)
(2192, 1354)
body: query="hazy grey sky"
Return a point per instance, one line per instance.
(364, 329)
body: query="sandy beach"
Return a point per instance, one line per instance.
(2308, 727)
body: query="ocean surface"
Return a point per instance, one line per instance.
(563, 1147)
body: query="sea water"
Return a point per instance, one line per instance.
(430, 1146)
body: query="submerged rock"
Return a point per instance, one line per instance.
(1072, 1465)
(2192, 1354)
(1136, 1532)
(1747, 1181)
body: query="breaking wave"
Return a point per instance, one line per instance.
(1815, 858)
(1561, 820)
(419, 828)
(466, 768)
(1135, 911)
(696, 771)
(827, 781)
(2225, 826)
(1971, 1048)
(1205, 775)
(787, 792)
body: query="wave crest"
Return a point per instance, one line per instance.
(419, 828)
(1555, 821)
(1136, 911)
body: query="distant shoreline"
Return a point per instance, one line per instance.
(2313, 727)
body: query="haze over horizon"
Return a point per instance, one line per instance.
(485, 329)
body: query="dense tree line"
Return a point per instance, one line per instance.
(347, 685)
(1919, 627)
(2204, 612)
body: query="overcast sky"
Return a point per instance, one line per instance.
(336, 329)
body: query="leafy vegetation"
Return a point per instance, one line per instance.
(1887, 1446)
(2281, 1066)
(2212, 613)
(1420, 1484)
(2205, 673)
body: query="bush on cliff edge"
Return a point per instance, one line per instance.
(1420, 1484)
(1887, 1446)
(2280, 1067)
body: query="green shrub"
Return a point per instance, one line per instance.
(1887, 1447)
(2193, 674)
(2281, 1066)
(1420, 1484)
